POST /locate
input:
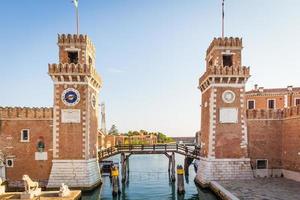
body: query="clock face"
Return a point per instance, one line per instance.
(70, 97)
(228, 96)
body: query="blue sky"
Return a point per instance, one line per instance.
(150, 53)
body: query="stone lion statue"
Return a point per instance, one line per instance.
(64, 190)
(29, 184)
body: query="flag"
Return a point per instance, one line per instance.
(75, 3)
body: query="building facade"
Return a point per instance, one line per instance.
(58, 145)
(245, 134)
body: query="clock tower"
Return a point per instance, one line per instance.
(224, 139)
(75, 114)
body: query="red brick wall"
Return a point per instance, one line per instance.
(291, 144)
(228, 135)
(265, 141)
(24, 152)
(275, 137)
(70, 134)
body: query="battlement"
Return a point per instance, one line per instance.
(264, 114)
(235, 71)
(25, 113)
(278, 114)
(227, 42)
(73, 72)
(69, 39)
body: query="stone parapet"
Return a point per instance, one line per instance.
(25, 113)
(67, 39)
(74, 72)
(226, 74)
(273, 114)
(226, 42)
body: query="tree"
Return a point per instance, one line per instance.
(113, 130)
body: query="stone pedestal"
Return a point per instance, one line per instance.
(212, 169)
(75, 173)
(31, 194)
(2, 189)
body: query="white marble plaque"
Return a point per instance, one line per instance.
(70, 116)
(228, 115)
(41, 156)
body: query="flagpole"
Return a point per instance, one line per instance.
(77, 20)
(222, 18)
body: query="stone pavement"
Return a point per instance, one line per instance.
(263, 189)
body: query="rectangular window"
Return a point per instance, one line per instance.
(261, 164)
(251, 104)
(297, 102)
(73, 57)
(271, 104)
(10, 162)
(25, 135)
(227, 60)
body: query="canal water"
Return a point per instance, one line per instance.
(149, 180)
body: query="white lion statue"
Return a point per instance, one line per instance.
(64, 190)
(29, 184)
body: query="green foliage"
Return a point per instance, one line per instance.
(113, 130)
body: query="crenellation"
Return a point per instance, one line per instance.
(25, 113)
(225, 42)
(67, 39)
(218, 70)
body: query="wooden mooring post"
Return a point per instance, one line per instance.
(180, 180)
(115, 181)
(187, 162)
(123, 167)
(173, 167)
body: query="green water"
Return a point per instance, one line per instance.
(149, 180)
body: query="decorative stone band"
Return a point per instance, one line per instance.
(74, 173)
(212, 169)
(26, 113)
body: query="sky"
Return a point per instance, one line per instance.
(150, 53)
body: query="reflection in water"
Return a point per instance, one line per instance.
(149, 180)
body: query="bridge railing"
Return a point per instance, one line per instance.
(147, 148)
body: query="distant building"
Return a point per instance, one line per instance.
(113, 140)
(274, 98)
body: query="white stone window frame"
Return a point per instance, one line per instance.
(267, 165)
(254, 103)
(12, 162)
(28, 132)
(274, 104)
(295, 100)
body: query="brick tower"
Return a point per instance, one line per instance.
(75, 111)
(224, 140)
